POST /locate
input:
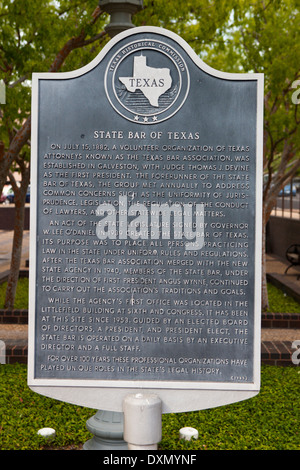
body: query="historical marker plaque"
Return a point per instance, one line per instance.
(146, 225)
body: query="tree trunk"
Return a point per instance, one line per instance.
(20, 198)
(15, 147)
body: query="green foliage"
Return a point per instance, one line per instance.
(23, 413)
(21, 300)
(31, 35)
(269, 421)
(201, 23)
(279, 302)
(266, 422)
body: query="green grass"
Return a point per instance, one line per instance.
(279, 302)
(269, 421)
(23, 413)
(21, 300)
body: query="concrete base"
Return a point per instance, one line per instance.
(107, 427)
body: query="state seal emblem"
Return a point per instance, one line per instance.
(147, 81)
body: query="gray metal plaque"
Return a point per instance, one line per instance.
(146, 222)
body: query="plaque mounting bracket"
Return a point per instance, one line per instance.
(142, 421)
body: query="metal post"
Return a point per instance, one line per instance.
(142, 421)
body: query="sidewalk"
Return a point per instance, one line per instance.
(276, 342)
(6, 241)
(287, 282)
(278, 330)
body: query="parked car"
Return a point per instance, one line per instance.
(2, 198)
(28, 195)
(10, 197)
(287, 190)
(296, 182)
(6, 190)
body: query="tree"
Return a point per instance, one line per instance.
(38, 36)
(229, 35)
(259, 36)
(41, 40)
(265, 37)
(19, 199)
